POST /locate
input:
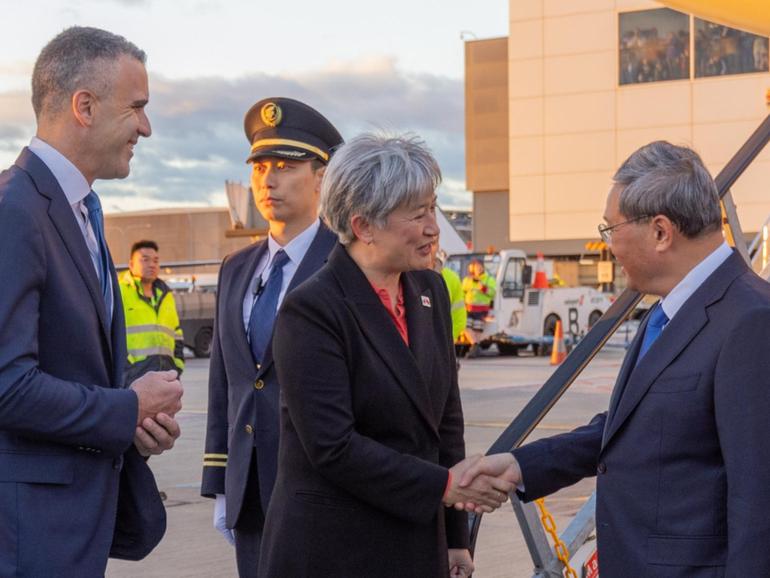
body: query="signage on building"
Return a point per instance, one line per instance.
(605, 272)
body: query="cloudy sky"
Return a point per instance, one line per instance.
(394, 65)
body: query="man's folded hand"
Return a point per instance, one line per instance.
(158, 392)
(155, 436)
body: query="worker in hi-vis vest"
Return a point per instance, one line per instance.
(153, 334)
(456, 300)
(454, 287)
(480, 289)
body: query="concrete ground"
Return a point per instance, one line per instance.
(494, 390)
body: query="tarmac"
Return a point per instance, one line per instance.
(493, 389)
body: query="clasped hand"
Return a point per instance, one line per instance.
(159, 396)
(482, 484)
(155, 436)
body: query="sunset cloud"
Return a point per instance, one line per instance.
(198, 140)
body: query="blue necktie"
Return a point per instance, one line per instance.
(97, 224)
(263, 312)
(657, 321)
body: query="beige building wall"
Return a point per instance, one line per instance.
(491, 209)
(194, 234)
(486, 115)
(486, 139)
(571, 124)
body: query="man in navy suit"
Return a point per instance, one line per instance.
(681, 457)
(65, 417)
(291, 143)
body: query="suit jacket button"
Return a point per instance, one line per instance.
(249, 430)
(601, 468)
(259, 384)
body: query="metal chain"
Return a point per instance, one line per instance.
(562, 553)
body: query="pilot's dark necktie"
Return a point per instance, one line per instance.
(263, 312)
(96, 217)
(657, 321)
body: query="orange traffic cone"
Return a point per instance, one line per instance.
(541, 280)
(559, 350)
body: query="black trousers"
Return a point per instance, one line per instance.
(248, 529)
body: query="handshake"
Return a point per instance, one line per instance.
(482, 484)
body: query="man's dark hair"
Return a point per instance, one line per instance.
(76, 59)
(664, 179)
(143, 244)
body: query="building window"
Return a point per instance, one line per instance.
(654, 46)
(722, 50)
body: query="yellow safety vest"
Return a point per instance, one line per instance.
(479, 294)
(456, 301)
(152, 324)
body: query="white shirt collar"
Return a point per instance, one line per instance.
(695, 278)
(296, 248)
(70, 179)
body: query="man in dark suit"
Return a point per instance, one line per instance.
(65, 417)
(291, 143)
(680, 457)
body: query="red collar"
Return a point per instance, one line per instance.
(397, 313)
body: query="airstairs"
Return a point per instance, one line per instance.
(580, 530)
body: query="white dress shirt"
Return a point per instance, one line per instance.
(295, 250)
(75, 188)
(673, 302)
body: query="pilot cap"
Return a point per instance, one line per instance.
(290, 129)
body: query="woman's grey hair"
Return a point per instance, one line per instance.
(371, 176)
(664, 179)
(76, 59)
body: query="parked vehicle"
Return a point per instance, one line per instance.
(195, 298)
(523, 317)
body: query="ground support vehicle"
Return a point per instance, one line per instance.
(196, 317)
(523, 317)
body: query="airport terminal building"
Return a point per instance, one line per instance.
(554, 108)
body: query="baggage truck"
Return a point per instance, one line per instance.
(523, 317)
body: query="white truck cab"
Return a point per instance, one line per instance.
(522, 316)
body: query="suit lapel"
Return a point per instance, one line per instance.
(418, 302)
(380, 331)
(242, 276)
(677, 335)
(117, 328)
(314, 259)
(625, 371)
(60, 212)
(687, 323)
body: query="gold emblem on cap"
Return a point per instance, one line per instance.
(271, 114)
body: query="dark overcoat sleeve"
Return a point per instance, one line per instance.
(552, 463)
(452, 425)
